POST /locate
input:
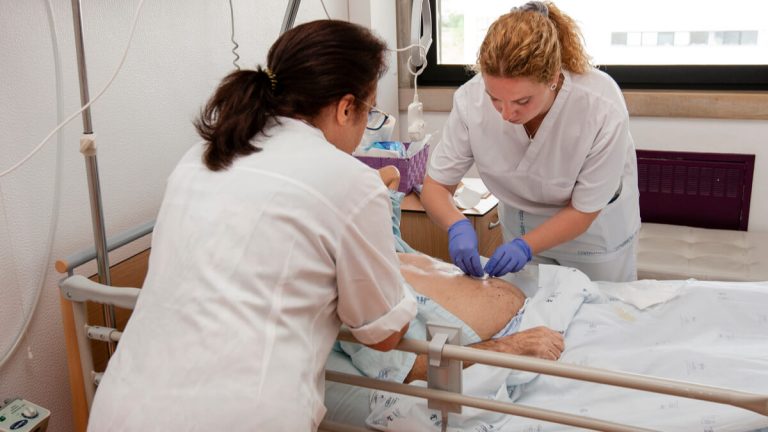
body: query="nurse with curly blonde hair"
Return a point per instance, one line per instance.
(549, 135)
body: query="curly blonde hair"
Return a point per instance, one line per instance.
(535, 41)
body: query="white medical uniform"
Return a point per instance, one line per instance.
(582, 152)
(252, 272)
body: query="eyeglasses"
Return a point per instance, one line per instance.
(376, 117)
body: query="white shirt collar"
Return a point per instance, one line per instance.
(291, 123)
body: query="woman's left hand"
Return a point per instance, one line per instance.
(509, 257)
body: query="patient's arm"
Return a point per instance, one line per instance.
(486, 306)
(390, 342)
(540, 342)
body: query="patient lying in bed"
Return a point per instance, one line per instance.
(711, 333)
(489, 307)
(487, 310)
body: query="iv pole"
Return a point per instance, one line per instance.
(290, 15)
(88, 149)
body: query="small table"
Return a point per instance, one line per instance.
(423, 235)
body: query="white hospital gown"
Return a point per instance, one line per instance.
(252, 271)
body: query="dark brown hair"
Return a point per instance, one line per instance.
(308, 68)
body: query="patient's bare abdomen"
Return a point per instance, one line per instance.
(485, 305)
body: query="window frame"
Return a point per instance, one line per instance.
(637, 77)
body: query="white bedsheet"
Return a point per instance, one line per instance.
(712, 333)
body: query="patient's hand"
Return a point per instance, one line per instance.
(541, 342)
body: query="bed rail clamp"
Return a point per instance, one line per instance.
(436, 349)
(443, 374)
(80, 289)
(104, 334)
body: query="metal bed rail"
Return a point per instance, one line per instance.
(79, 289)
(750, 401)
(70, 263)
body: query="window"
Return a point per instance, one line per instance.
(652, 44)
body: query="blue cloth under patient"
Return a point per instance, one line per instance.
(396, 198)
(394, 365)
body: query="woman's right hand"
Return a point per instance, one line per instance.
(462, 246)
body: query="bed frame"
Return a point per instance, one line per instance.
(444, 383)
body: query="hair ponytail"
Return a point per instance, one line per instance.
(237, 111)
(310, 67)
(572, 53)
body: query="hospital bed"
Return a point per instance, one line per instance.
(683, 336)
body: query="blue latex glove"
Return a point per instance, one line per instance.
(509, 257)
(462, 245)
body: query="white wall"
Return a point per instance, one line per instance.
(681, 134)
(380, 17)
(142, 125)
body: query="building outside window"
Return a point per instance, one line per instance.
(650, 36)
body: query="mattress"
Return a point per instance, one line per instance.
(668, 252)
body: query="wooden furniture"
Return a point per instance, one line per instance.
(423, 235)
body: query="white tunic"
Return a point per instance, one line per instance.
(581, 153)
(252, 272)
